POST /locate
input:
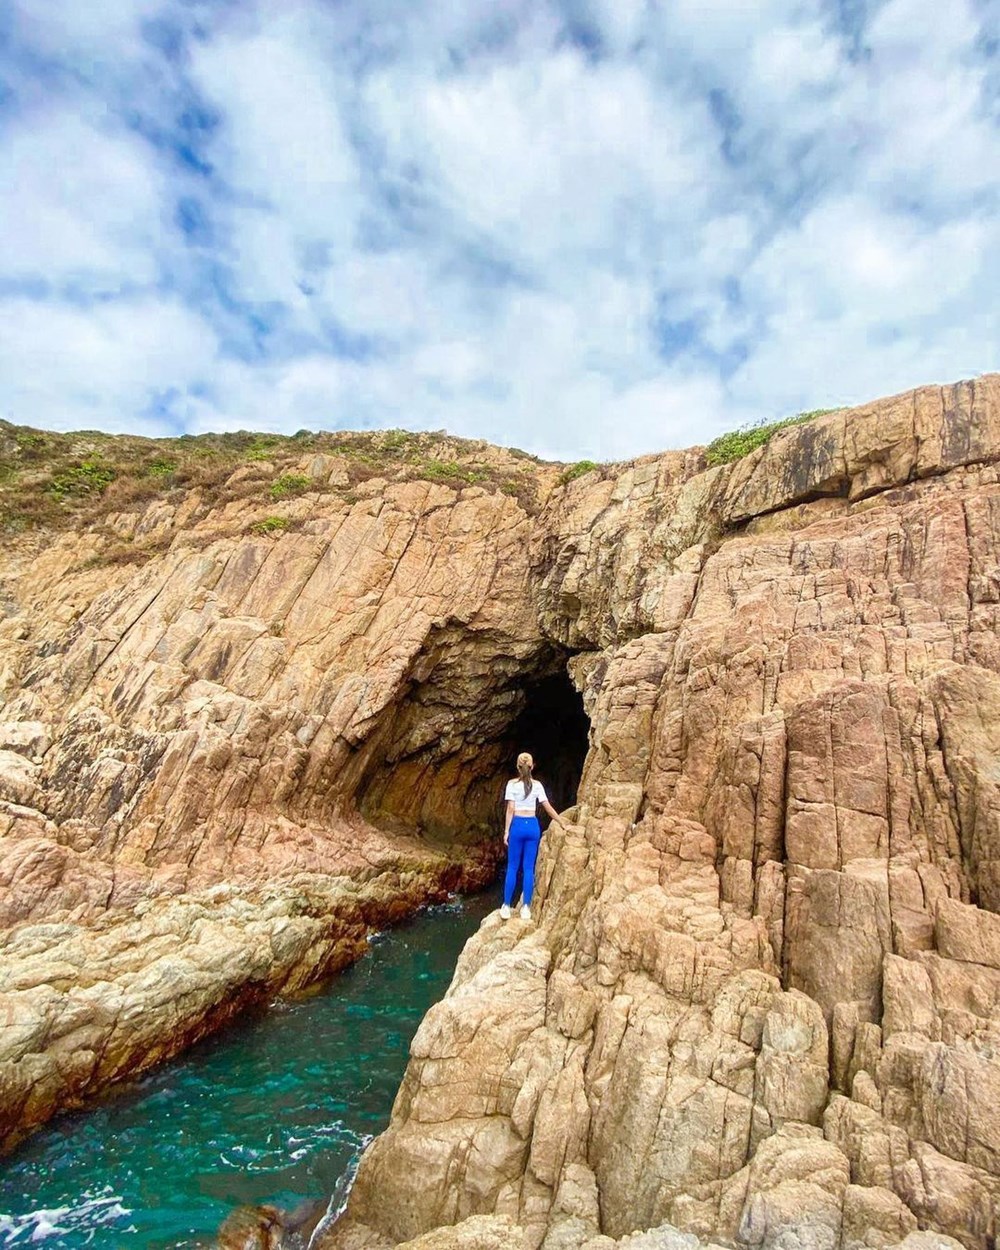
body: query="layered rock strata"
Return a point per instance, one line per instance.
(194, 757)
(760, 1003)
(88, 1005)
(758, 1006)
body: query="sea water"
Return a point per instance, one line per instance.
(277, 1109)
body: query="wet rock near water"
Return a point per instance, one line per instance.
(89, 1006)
(270, 1228)
(252, 1228)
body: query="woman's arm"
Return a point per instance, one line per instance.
(553, 813)
(508, 817)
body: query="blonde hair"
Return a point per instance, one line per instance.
(524, 766)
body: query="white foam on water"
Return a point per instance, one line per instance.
(38, 1227)
(338, 1200)
(285, 1146)
(454, 905)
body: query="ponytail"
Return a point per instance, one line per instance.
(524, 766)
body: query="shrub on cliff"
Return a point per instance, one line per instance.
(735, 444)
(289, 484)
(449, 471)
(576, 470)
(161, 470)
(271, 525)
(91, 476)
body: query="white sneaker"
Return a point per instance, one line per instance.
(526, 912)
(505, 912)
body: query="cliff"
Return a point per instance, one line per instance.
(760, 1004)
(240, 687)
(761, 997)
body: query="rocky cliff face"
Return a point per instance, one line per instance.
(221, 769)
(760, 1001)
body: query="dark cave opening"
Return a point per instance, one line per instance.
(443, 759)
(554, 727)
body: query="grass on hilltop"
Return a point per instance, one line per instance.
(55, 480)
(735, 444)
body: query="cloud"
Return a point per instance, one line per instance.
(85, 208)
(282, 150)
(66, 31)
(584, 227)
(557, 162)
(120, 366)
(886, 296)
(927, 106)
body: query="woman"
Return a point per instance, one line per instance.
(522, 833)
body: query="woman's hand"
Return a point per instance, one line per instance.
(506, 837)
(554, 815)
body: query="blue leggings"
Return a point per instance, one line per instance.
(522, 850)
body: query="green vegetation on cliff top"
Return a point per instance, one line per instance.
(577, 470)
(735, 444)
(54, 480)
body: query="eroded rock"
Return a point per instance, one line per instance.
(759, 1001)
(768, 893)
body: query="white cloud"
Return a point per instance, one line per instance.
(283, 138)
(455, 215)
(99, 367)
(788, 60)
(909, 30)
(676, 408)
(848, 259)
(60, 26)
(558, 161)
(395, 295)
(79, 205)
(620, 22)
(860, 302)
(283, 148)
(922, 101)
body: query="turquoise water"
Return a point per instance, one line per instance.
(277, 1109)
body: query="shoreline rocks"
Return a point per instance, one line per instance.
(87, 1007)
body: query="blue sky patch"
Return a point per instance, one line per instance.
(583, 228)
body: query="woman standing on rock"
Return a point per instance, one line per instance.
(522, 833)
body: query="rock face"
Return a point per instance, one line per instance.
(761, 1002)
(760, 1005)
(219, 772)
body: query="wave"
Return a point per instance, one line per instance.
(38, 1227)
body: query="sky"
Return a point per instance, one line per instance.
(587, 228)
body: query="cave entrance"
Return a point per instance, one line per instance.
(440, 765)
(554, 727)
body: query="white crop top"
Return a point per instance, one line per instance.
(525, 806)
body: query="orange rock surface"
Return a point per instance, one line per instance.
(759, 1002)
